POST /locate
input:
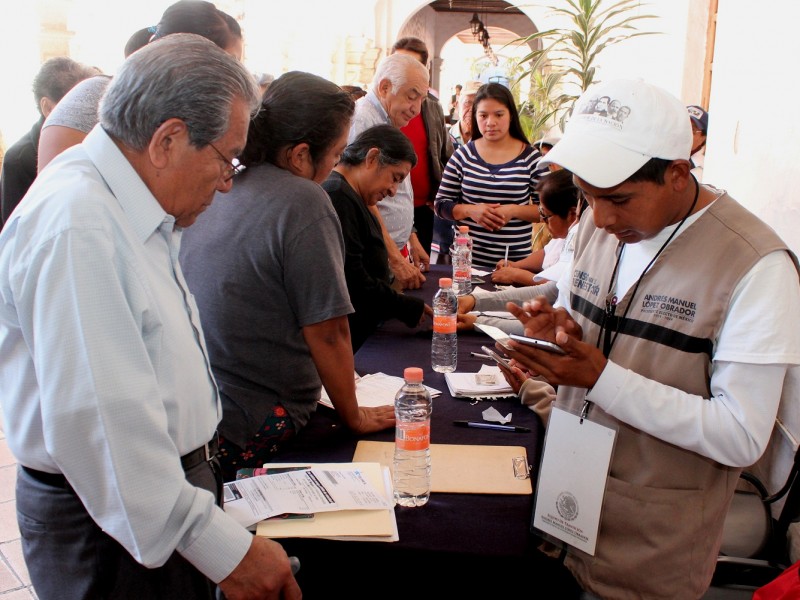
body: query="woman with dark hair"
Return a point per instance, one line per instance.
(370, 169)
(75, 116)
(202, 18)
(265, 264)
(558, 210)
(489, 183)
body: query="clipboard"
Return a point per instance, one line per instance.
(464, 469)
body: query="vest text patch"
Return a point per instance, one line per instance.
(669, 307)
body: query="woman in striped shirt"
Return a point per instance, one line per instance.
(489, 183)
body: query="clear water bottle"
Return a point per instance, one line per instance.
(462, 262)
(444, 346)
(411, 470)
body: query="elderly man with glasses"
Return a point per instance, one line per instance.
(398, 90)
(109, 401)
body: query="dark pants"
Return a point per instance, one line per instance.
(423, 224)
(443, 238)
(69, 557)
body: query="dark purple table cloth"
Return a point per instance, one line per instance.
(471, 541)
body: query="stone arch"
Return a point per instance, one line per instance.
(438, 28)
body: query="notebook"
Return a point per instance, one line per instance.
(489, 382)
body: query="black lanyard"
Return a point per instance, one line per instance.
(610, 324)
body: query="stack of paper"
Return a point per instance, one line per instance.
(377, 389)
(347, 501)
(486, 383)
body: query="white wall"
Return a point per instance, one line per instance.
(302, 34)
(754, 126)
(754, 140)
(659, 58)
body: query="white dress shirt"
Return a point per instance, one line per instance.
(104, 376)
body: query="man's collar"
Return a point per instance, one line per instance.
(372, 97)
(137, 202)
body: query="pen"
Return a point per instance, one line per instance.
(506, 263)
(497, 426)
(479, 355)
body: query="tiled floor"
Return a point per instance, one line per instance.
(14, 581)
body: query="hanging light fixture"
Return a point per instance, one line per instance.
(475, 24)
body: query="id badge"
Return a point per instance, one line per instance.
(572, 479)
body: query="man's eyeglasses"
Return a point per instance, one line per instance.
(233, 167)
(543, 217)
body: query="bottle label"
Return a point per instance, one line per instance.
(413, 436)
(461, 274)
(444, 324)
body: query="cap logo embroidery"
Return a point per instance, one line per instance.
(606, 110)
(694, 112)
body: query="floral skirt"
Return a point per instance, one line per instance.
(276, 430)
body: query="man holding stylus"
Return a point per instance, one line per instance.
(677, 319)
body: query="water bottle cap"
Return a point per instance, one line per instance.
(463, 228)
(413, 374)
(446, 282)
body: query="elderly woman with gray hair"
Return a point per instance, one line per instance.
(370, 170)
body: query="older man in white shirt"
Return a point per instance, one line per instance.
(395, 97)
(109, 402)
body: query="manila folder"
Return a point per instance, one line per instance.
(375, 525)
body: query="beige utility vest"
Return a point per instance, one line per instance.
(664, 506)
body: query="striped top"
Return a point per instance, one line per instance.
(468, 179)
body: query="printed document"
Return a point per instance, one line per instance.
(313, 490)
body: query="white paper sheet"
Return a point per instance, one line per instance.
(301, 492)
(469, 384)
(377, 389)
(572, 479)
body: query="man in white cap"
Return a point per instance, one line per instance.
(677, 320)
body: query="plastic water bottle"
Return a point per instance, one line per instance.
(462, 262)
(444, 346)
(411, 471)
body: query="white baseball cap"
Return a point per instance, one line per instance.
(616, 127)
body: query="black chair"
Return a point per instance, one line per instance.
(754, 544)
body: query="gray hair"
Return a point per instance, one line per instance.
(181, 76)
(398, 68)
